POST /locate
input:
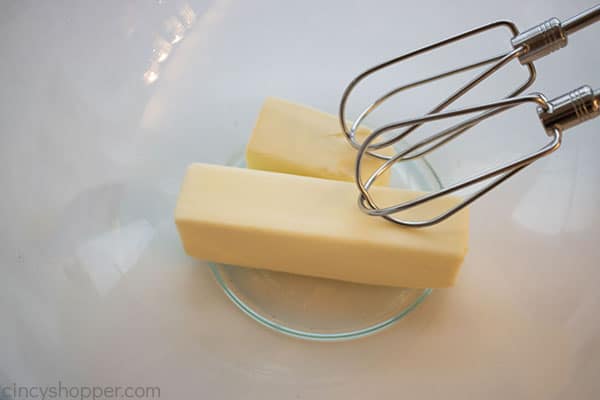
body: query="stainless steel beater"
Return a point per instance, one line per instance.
(556, 115)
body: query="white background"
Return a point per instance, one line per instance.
(94, 287)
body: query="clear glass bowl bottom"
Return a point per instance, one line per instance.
(324, 309)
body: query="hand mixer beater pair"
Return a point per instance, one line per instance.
(556, 115)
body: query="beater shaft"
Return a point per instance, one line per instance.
(551, 35)
(581, 20)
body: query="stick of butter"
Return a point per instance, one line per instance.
(312, 226)
(299, 140)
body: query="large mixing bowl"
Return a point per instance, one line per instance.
(104, 104)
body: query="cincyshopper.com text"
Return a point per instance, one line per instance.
(61, 391)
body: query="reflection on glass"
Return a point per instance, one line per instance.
(109, 256)
(151, 74)
(161, 50)
(187, 15)
(546, 205)
(174, 29)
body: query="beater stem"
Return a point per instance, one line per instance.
(581, 20)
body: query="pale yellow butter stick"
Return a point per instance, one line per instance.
(296, 139)
(312, 226)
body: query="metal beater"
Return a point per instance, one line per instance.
(556, 115)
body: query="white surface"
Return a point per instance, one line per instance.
(92, 155)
